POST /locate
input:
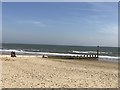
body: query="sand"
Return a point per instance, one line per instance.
(38, 72)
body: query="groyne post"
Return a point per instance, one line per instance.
(97, 51)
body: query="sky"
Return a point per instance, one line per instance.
(0, 24)
(60, 0)
(60, 23)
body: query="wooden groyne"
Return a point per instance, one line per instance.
(84, 56)
(79, 56)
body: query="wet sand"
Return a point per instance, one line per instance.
(38, 72)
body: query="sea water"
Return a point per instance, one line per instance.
(105, 53)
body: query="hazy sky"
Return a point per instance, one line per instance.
(61, 23)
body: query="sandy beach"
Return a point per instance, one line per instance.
(38, 72)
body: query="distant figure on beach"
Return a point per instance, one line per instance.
(13, 54)
(44, 56)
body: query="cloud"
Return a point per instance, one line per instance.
(105, 5)
(98, 7)
(109, 30)
(108, 35)
(93, 9)
(32, 22)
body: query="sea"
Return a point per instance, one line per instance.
(105, 53)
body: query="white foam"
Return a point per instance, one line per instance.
(10, 50)
(109, 58)
(90, 52)
(79, 52)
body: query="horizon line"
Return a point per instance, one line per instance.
(61, 44)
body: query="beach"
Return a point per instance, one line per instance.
(37, 72)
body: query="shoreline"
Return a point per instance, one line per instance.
(96, 59)
(21, 56)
